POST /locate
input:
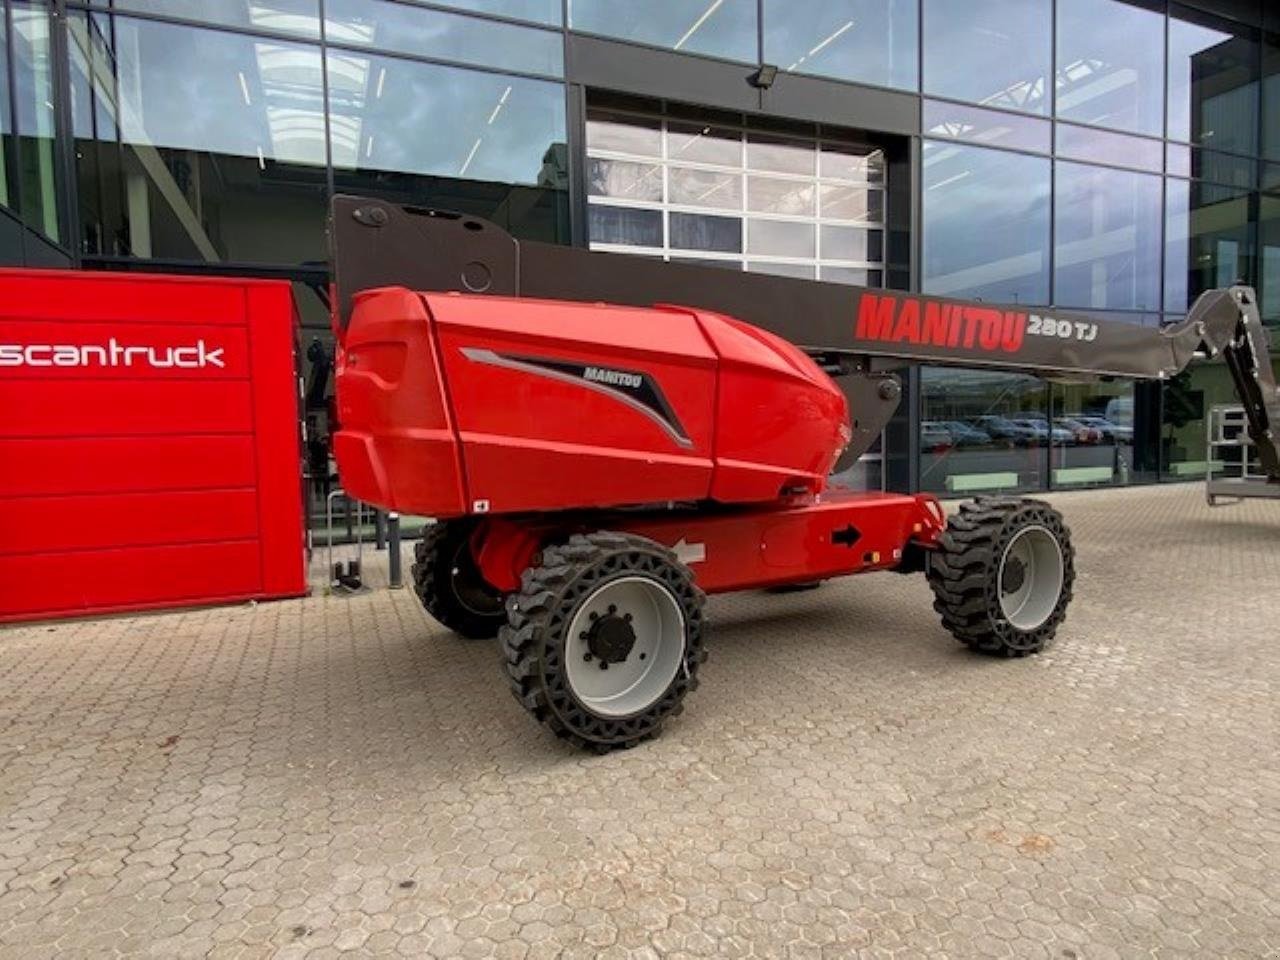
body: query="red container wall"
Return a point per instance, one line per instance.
(149, 450)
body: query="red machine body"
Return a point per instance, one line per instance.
(149, 451)
(550, 417)
(452, 404)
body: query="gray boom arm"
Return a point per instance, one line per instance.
(857, 333)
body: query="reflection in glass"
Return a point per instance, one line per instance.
(856, 276)
(300, 17)
(625, 225)
(991, 128)
(870, 41)
(840, 202)
(986, 224)
(856, 164)
(8, 188)
(851, 243)
(442, 136)
(639, 136)
(1106, 238)
(1206, 240)
(624, 179)
(770, 195)
(705, 188)
(696, 231)
(717, 28)
(993, 52)
(982, 431)
(1102, 146)
(1213, 87)
(388, 114)
(1269, 258)
(1092, 441)
(780, 155)
(1185, 401)
(33, 93)
(197, 144)
(446, 36)
(1110, 65)
(700, 143)
(780, 238)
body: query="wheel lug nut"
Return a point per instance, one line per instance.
(583, 635)
(604, 664)
(642, 656)
(613, 608)
(586, 657)
(594, 615)
(626, 617)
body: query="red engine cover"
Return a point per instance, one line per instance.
(148, 443)
(455, 404)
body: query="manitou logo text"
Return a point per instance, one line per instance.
(907, 320)
(196, 356)
(615, 378)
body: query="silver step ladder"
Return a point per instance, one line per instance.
(1232, 472)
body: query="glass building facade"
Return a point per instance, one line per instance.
(1115, 157)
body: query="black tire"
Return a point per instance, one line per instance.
(448, 583)
(970, 574)
(566, 579)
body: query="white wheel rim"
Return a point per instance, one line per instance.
(638, 681)
(1030, 578)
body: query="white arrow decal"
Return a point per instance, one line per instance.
(690, 552)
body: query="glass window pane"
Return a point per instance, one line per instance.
(987, 127)
(395, 115)
(8, 185)
(1099, 146)
(856, 276)
(770, 195)
(805, 271)
(705, 188)
(219, 152)
(779, 155)
(718, 28)
(1223, 168)
(300, 17)
(33, 91)
(642, 228)
(1088, 448)
(1269, 258)
(982, 430)
(986, 224)
(537, 11)
(778, 238)
(862, 204)
(1107, 238)
(624, 179)
(640, 136)
(444, 36)
(1111, 65)
(699, 143)
(855, 164)
(851, 243)
(995, 52)
(1213, 87)
(696, 231)
(1177, 159)
(871, 41)
(1206, 240)
(1271, 96)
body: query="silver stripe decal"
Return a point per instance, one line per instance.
(482, 355)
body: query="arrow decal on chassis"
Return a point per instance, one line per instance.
(689, 553)
(636, 389)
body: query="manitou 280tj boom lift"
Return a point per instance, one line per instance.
(604, 440)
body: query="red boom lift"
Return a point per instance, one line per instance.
(597, 463)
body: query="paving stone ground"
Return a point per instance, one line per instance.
(340, 775)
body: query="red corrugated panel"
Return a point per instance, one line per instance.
(148, 443)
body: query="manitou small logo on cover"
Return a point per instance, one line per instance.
(615, 378)
(195, 356)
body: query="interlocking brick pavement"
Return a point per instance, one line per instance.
(339, 775)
